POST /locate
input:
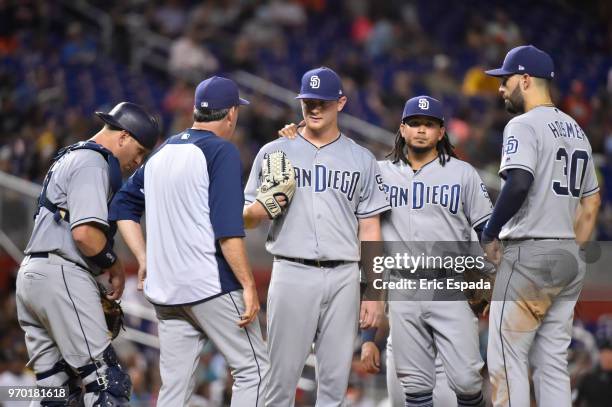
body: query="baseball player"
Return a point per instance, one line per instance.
(58, 302)
(194, 268)
(370, 358)
(314, 291)
(435, 198)
(546, 209)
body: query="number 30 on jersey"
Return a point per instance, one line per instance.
(574, 168)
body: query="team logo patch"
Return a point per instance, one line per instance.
(204, 104)
(511, 146)
(521, 68)
(423, 104)
(315, 82)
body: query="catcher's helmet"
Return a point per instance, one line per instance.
(135, 120)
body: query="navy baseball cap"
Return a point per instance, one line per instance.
(423, 106)
(526, 59)
(321, 83)
(218, 93)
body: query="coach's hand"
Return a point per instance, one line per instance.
(142, 274)
(371, 314)
(290, 130)
(116, 279)
(251, 304)
(370, 357)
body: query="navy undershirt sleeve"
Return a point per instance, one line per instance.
(508, 203)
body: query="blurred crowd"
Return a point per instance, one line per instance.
(57, 68)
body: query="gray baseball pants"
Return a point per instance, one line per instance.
(183, 332)
(530, 323)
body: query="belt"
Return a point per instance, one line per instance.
(54, 258)
(536, 238)
(315, 263)
(426, 274)
(39, 255)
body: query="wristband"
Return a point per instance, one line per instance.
(106, 258)
(368, 335)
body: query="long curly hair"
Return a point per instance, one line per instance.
(444, 147)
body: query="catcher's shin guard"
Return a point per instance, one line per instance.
(61, 374)
(110, 383)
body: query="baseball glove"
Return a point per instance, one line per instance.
(277, 180)
(112, 313)
(479, 300)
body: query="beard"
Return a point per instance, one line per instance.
(515, 103)
(421, 149)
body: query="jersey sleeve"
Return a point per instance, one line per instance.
(373, 199)
(477, 204)
(225, 195)
(129, 201)
(254, 181)
(520, 148)
(591, 185)
(87, 196)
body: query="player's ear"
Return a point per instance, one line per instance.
(442, 132)
(232, 114)
(341, 103)
(525, 82)
(123, 138)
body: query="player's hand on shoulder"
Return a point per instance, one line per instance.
(371, 314)
(251, 304)
(116, 279)
(370, 357)
(290, 130)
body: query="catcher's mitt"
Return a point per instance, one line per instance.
(479, 299)
(112, 313)
(277, 180)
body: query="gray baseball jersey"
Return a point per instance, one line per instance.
(78, 183)
(553, 148)
(436, 203)
(336, 185)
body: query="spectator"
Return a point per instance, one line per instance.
(78, 50)
(577, 105)
(595, 389)
(189, 58)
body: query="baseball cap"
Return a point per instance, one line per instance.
(321, 83)
(218, 92)
(526, 59)
(135, 120)
(423, 106)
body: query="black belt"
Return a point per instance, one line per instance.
(39, 255)
(315, 263)
(426, 274)
(45, 255)
(536, 238)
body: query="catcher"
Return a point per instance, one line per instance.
(57, 295)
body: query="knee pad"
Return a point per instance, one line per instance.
(61, 374)
(112, 384)
(470, 400)
(419, 399)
